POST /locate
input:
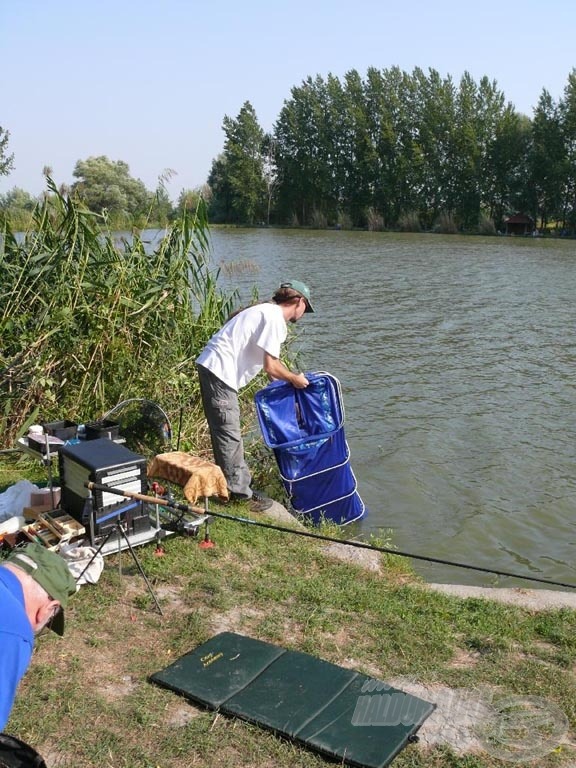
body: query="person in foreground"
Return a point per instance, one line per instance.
(35, 584)
(249, 342)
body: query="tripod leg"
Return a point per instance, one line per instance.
(95, 555)
(127, 540)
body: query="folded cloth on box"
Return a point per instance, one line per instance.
(198, 477)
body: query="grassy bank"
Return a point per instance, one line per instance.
(86, 701)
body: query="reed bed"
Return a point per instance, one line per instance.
(88, 320)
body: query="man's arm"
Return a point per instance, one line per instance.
(15, 656)
(276, 369)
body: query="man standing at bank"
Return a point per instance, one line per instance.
(35, 584)
(249, 342)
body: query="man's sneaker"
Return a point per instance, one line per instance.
(259, 502)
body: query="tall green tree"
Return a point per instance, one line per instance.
(221, 208)
(548, 159)
(333, 148)
(304, 156)
(480, 109)
(390, 98)
(106, 186)
(241, 170)
(568, 118)
(469, 149)
(6, 160)
(360, 160)
(434, 118)
(506, 175)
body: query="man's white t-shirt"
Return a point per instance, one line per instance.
(235, 354)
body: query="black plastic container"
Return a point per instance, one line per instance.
(102, 428)
(63, 429)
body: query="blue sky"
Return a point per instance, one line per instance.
(150, 82)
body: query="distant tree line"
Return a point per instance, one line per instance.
(391, 150)
(403, 151)
(106, 188)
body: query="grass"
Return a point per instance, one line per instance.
(86, 700)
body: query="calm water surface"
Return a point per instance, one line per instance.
(456, 357)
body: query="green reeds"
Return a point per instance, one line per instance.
(88, 319)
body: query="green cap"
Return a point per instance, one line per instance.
(51, 572)
(302, 289)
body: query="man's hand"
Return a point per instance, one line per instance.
(277, 370)
(300, 381)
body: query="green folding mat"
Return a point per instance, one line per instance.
(335, 711)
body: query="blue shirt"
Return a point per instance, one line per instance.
(16, 641)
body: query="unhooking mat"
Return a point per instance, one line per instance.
(335, 711)
(305, 429)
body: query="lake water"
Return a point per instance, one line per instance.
(456, 358)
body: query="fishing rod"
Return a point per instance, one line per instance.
(320, 537)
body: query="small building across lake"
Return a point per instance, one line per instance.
(519, 224)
